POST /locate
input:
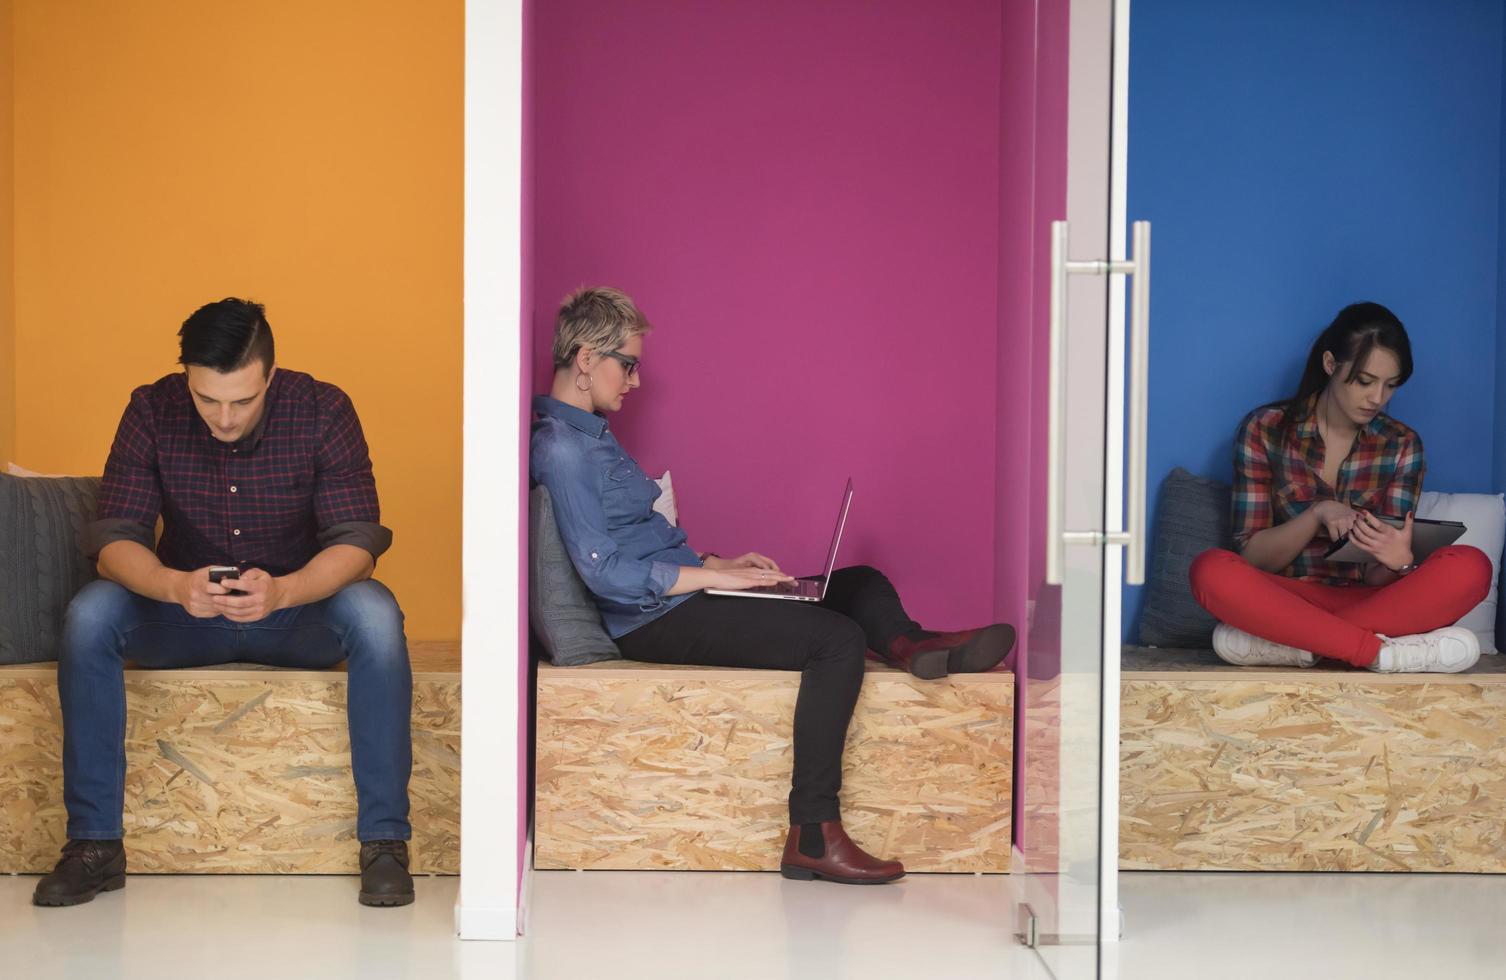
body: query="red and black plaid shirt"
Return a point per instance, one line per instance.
(298, 483)
(1278, 475)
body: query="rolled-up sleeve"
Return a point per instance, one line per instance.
(130, 493)
(574, 486)
(1405, 488)
(365, 535)
(1252, 483)
(346, 508)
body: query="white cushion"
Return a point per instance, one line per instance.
(666, 503)
(13, 470)
(1484, 514)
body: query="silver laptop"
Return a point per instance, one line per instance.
(805, 589)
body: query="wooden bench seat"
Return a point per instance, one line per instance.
(650, 767)
(1323, 769)
(235, 769)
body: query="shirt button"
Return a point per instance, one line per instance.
(236, 532)
(593, 554)
(232, 489)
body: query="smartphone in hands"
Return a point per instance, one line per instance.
(218, 573)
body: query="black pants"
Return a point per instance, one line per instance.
(824, 641)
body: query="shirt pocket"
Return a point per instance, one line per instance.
(627, 494)
(286, 483)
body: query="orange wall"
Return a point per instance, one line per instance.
(7, 238)
(307, 155)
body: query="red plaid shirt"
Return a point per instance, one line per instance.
(298, 483)
(1276, 478)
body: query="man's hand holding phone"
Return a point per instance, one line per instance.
(224, 590)
(219, 573)
(250, 596)
(196, 591)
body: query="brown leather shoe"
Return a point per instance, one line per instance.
(962, 652)
(87, 868)
(841, 860)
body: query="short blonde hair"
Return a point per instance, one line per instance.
(597, 317)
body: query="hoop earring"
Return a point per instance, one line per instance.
(580, 375)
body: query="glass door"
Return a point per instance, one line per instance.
(1066, 853)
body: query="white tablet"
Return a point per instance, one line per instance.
(1427, 537)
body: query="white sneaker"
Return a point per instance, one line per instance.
(1445, 651)
(1238, 647)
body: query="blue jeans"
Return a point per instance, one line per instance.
(107, 625)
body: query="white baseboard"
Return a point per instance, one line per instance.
(499, 924)
(494, 924)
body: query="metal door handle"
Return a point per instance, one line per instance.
(1139, 405)
(1057, 538)
(1056, 548)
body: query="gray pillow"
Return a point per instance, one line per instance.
(1192, 516)
(43, 562)
(560, 607)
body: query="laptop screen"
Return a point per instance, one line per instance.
(836, 537)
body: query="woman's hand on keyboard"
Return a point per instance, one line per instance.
(738, 579)
(754, 560)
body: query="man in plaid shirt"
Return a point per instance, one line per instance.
(264, 470)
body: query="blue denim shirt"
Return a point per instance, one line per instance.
(627, 554)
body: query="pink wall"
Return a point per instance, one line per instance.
(804, 198)
(1050, 205)
(526, 354)
(1012, 502)
(1033, 193)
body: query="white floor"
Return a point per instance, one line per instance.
(623, 926)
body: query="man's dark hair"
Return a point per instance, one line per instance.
(227, 336)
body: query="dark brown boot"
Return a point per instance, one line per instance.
(86, 868)
(932, 655)
(835, 858)
(384, 873)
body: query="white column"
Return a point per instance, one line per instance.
(492, 721)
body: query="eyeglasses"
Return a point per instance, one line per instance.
(629, 364)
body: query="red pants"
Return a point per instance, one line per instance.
(1340, 621)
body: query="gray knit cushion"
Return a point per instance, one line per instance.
(1192, 516)
(560, 607)
(43, 562)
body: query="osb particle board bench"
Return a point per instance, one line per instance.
(234, 769)
(1275, 769)
(641, 766)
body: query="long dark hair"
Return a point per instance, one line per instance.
(1354, 333)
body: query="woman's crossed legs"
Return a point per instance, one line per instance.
(1342, 622)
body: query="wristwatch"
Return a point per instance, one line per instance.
(1404, 570)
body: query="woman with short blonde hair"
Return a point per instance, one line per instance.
(598, 319)
(648, 584)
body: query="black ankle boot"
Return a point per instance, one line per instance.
(384, 873)
(86, 868)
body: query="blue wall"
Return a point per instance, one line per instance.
(1295, 157)
(1500, 418)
